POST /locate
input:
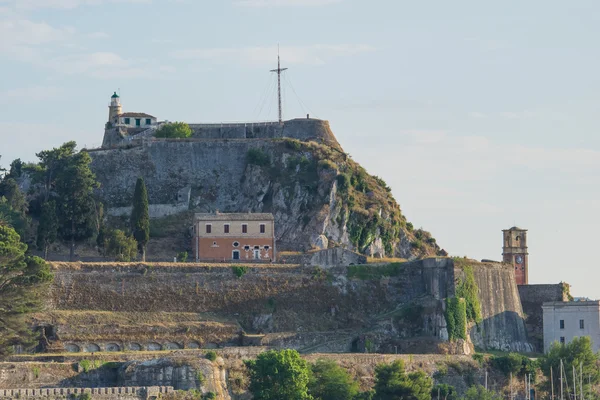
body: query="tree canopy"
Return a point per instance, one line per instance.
(140, 218)
(174, 130)
(329, 381)
(480, 393)
(393, 383)
(22, 279)
(276, 375)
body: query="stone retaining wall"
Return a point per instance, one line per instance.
(116, 393)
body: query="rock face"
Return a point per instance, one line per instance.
(320, 198)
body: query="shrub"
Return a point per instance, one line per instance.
(210, 395)
(456, 318)
(329, 381)
(327, 164)
(174, 130)
(211, 355)
(444, 391)
(239, 271)
(85, 365)
(182, 256)
(120, 246)
(200, 378)
(343, 181)
(479, 358)
(468, 290)
(258, 157)
(85, 396)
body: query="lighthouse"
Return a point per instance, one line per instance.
(114, 109)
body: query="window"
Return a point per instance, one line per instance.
(562, 340)
(562, 324)
(581, 324)
(236, 255)
(236, 244)
(247, 248)
(226, 228)
(256, 247)
(148, 121)
(208, 228)
(262, 228)
(244, 228)
(127, 121)
(138, 122)
(267, 247)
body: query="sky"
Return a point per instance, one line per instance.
(479, 115)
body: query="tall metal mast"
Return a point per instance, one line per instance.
(279, 70)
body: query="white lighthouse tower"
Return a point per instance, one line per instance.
(114, 109)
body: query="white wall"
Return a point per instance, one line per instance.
(571, 313)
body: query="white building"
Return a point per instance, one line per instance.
(129, 119)
(564, 321)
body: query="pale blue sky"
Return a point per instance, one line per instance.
(480, 116)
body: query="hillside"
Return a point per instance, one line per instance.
(319, 196)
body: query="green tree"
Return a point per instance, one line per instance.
(329, 381)
(393, 383)
(48, 227)
(140, 219)
(22, 280)
(19, 221)
(277, 375)
(9, 189)
(120, 246)
(52, 162)
(444, 391)
(174, 130)
(76, 208)
(576, 354)
(480, 393)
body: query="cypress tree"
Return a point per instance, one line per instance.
(140, 219)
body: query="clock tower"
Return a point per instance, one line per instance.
(514, 252)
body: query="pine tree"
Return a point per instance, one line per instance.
(48, 227)
(140, 219)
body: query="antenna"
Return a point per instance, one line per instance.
(279, 70)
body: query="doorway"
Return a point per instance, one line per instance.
(236, 254)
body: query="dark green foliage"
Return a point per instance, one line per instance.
(85, 396)
(277, 375)
(19, 221)
(579, 354)
(210, 395)
(118, 245)
(343, 182)
(258, 157)
(23, 282)
(329, 381)
(479, 393)
(48, 227)
(456, 318)
(182, 256)
(374, 272)
(211, 355)
(468, 290)
(369, 395)
(480, 358)
(9, 189)
(514, 363)
(392, 382)
(292, 144)
(140, 218)
(67, 176)
(174, 130)
(239, 270)
(444, 391)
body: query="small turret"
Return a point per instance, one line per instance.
(114, 109)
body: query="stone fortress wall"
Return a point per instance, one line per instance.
(112, 393)
(301, 129)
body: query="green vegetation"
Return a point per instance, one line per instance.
(456, 318)
(279, 375)
(211, 355)
(239, 270)
(85, 396)
(182, 256)
(577, 354)
(258, 157)
(468, 290)
(210, 395)
(48, 227)
(118, 245)
(200, 378)
(140, 218)
(444, 391)
(86, 365)
(480, 393)
(514, 363)
(24, 279)
(174, 130)
(392, 382)
(374, 272)
(329, 381)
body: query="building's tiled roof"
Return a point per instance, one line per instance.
(136, 115)
(234, 217)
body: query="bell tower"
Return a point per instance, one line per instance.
(514, 252)
(114, 109)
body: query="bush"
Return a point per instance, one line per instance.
(85, 365)
(174, 130)
(444, 391)
(456, 318)
(210, 395)
(239, 271)
(392, 382)
(211, 355)
(329, 381)
(200, 378)
(479, 358)
(182, 256)
(343, 181)
(120, 246)
(258, 157)
(327, 164)
(468, 290)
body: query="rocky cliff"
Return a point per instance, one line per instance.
(319, 196)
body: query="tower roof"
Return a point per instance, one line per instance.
(114, 96)
(514, 228)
